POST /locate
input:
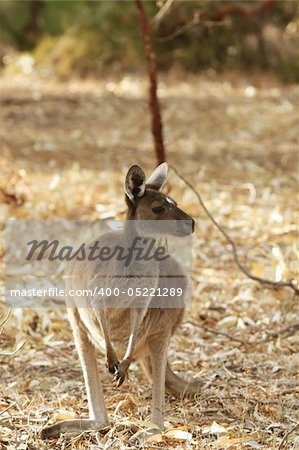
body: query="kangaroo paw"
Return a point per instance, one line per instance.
(121, 372)
(112, 363)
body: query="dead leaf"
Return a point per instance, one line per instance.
(228, 442)
(180, 434)
(215, 428)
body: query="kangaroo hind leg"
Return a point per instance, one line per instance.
(97, 410)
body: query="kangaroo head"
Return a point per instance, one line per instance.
(146, 201)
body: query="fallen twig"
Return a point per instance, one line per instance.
(275, 284)
(6, 409)
(5, 319)
(220, 333)
(285, 438)
(289, 329)
(18, 347)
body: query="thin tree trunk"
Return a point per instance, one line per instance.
(33, 27)
(157, 128)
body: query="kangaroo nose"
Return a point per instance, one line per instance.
(187, 226)
(193, 225)
(190, 224)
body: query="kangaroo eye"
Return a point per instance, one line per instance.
(158, 209)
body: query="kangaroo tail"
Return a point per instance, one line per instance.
(173, 383)
(179, 387)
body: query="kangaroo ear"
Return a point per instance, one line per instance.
(135, 182)
(158, 178)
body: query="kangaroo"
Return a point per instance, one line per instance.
(136, 329)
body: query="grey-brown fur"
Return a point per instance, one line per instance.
(131, 333)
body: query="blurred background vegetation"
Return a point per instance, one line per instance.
(88, 37)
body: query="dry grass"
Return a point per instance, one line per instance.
(65, 148)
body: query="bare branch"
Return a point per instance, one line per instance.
(237, 8)
(194, 20)
(157, 129)
(219, 15)
(275, 284)
(162, 12)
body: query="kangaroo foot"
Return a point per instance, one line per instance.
(74, 426)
